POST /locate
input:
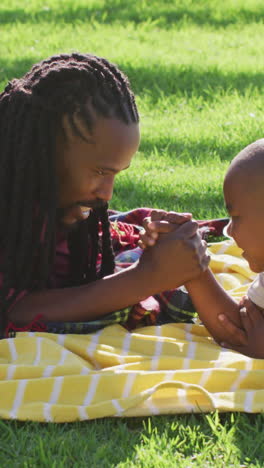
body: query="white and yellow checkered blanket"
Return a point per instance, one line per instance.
(174, 368)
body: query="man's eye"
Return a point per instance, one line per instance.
(100, 172)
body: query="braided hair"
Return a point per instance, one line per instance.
(31, 111)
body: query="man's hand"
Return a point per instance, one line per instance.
(251, 338)
(160, 222)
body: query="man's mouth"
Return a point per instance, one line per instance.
(86, 211)
(76, 215)
(78, 211)
(84, 206)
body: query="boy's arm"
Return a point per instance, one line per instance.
(210, 299)
(252, 317)
(241, 327)
(213, 304)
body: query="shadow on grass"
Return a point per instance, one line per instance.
(198, 151)
(92, 443)
(205, 204)
(186, 80)
(15, 68)
(159, 81)
(162, 13)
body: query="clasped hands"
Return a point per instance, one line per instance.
(247, 340)
(161, 222)
(177, 254)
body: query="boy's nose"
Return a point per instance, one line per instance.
(104, 190)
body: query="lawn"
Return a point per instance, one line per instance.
(197, 70)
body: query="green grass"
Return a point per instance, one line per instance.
(197, 70)
(162, 442)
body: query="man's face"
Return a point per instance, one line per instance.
(244, 198)
(86, 169)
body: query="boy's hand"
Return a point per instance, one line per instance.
(160, 222)
(251, 337)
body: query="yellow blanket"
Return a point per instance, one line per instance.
(174, 368)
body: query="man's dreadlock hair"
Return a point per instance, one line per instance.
(31, 112)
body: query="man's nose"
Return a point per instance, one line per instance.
(104, 190)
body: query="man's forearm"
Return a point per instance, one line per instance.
(175, 259)
(210, 301)
(85, 302)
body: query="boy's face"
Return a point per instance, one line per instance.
(86, 169)
(244, 198)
